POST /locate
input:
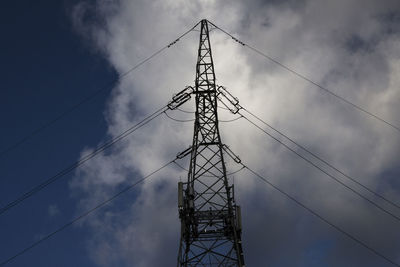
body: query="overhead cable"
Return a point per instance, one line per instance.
(322, 160)
(185, 111)
(316, 214)
(324, 171)
(83, 215)
(236, 108)
(177, 120)
(85, 158)
(358, 107)
(232, 120)
(190, 120)
(205, 175)
(92, 96)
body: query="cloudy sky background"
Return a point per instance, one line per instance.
(350, 47)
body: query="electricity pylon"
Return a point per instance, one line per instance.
(210, 219)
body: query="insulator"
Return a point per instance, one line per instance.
(180, 98)
(231, 154)
(222, 90)
(184, 153)
(187, 90)
(223, 94)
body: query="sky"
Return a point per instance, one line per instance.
(56, 53)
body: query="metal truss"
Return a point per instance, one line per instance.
(210, 219)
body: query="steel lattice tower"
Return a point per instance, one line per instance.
(210, 219)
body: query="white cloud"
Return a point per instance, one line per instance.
(314, 37)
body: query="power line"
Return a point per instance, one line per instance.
(177, 120)
(100, 205)
(190, 120)
(78, 163)
(321, 217)
(228, 174)
(397, 128)
(232, 120)
(185, 111)
(324, 161)
(91, 96)
(325, 172)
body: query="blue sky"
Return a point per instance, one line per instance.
(55, 53)
(45, 70)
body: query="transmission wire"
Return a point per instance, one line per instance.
(232, 120)
(185, 111)
(91, 96)
(177, 120)
(324, 161)
(78, 163)
(321, 217)
(228, 174)
(397, 128)
(190, 120)
(100, 205)
(325, 172)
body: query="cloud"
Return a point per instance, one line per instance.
(353, 51)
